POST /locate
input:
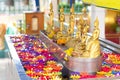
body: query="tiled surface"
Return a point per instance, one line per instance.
(3, 68)
(3, 65)
(7, 68)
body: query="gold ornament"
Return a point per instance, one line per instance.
(93, 46)
(50, 24)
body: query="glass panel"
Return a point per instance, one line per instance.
(18, 7)
(34, 23)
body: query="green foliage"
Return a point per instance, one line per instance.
(77, 7)
(65, 6)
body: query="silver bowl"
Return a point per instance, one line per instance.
(89, 65)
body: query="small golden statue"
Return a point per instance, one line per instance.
(62, 19)
(80, 47)
(93, 45)
(85, 30)
(2, 33)
(50, 23)
(88, 47)
(51, 14)
(79, 30)
(61, 37)
(71, 22)
(70, 31)
(85, 16)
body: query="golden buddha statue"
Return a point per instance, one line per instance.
(85, 30)
(60, 36)
(50, 23)
(72, 20)
(82, 30)
(79, 31)
(80, 25)
(85, 16)
(61, 19)
(80, 47)
(93, 45)
(2, 33)
(70, 31)
(51, 14)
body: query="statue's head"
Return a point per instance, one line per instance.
(96, 23)
(84, 10)
(72, 9)
(51, 6)
(61, 9)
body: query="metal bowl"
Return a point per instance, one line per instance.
(89, 65)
